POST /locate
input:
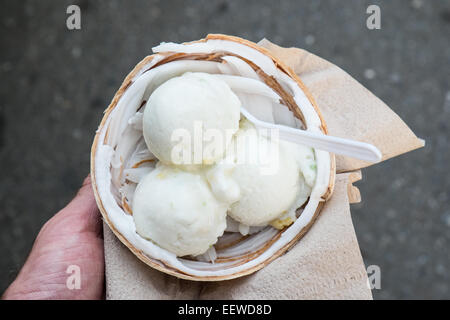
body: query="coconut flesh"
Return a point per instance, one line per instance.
(122, 157)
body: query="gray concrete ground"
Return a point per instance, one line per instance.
(55, 84)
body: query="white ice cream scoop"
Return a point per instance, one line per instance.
(177, 210)
(268, 176)
(185, 109)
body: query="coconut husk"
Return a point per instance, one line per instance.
(244, 263)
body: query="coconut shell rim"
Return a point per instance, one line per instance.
(164, 267)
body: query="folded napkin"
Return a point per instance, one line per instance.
(326, 263)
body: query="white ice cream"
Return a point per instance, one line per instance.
(177, 210)
(240, 172)
(270, 178)
(192, 111)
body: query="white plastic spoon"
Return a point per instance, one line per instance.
(346, 147)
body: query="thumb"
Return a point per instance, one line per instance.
(80, 215)
(84, 208)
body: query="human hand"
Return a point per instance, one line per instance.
(71, 240)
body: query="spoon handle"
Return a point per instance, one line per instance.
(346, 147)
